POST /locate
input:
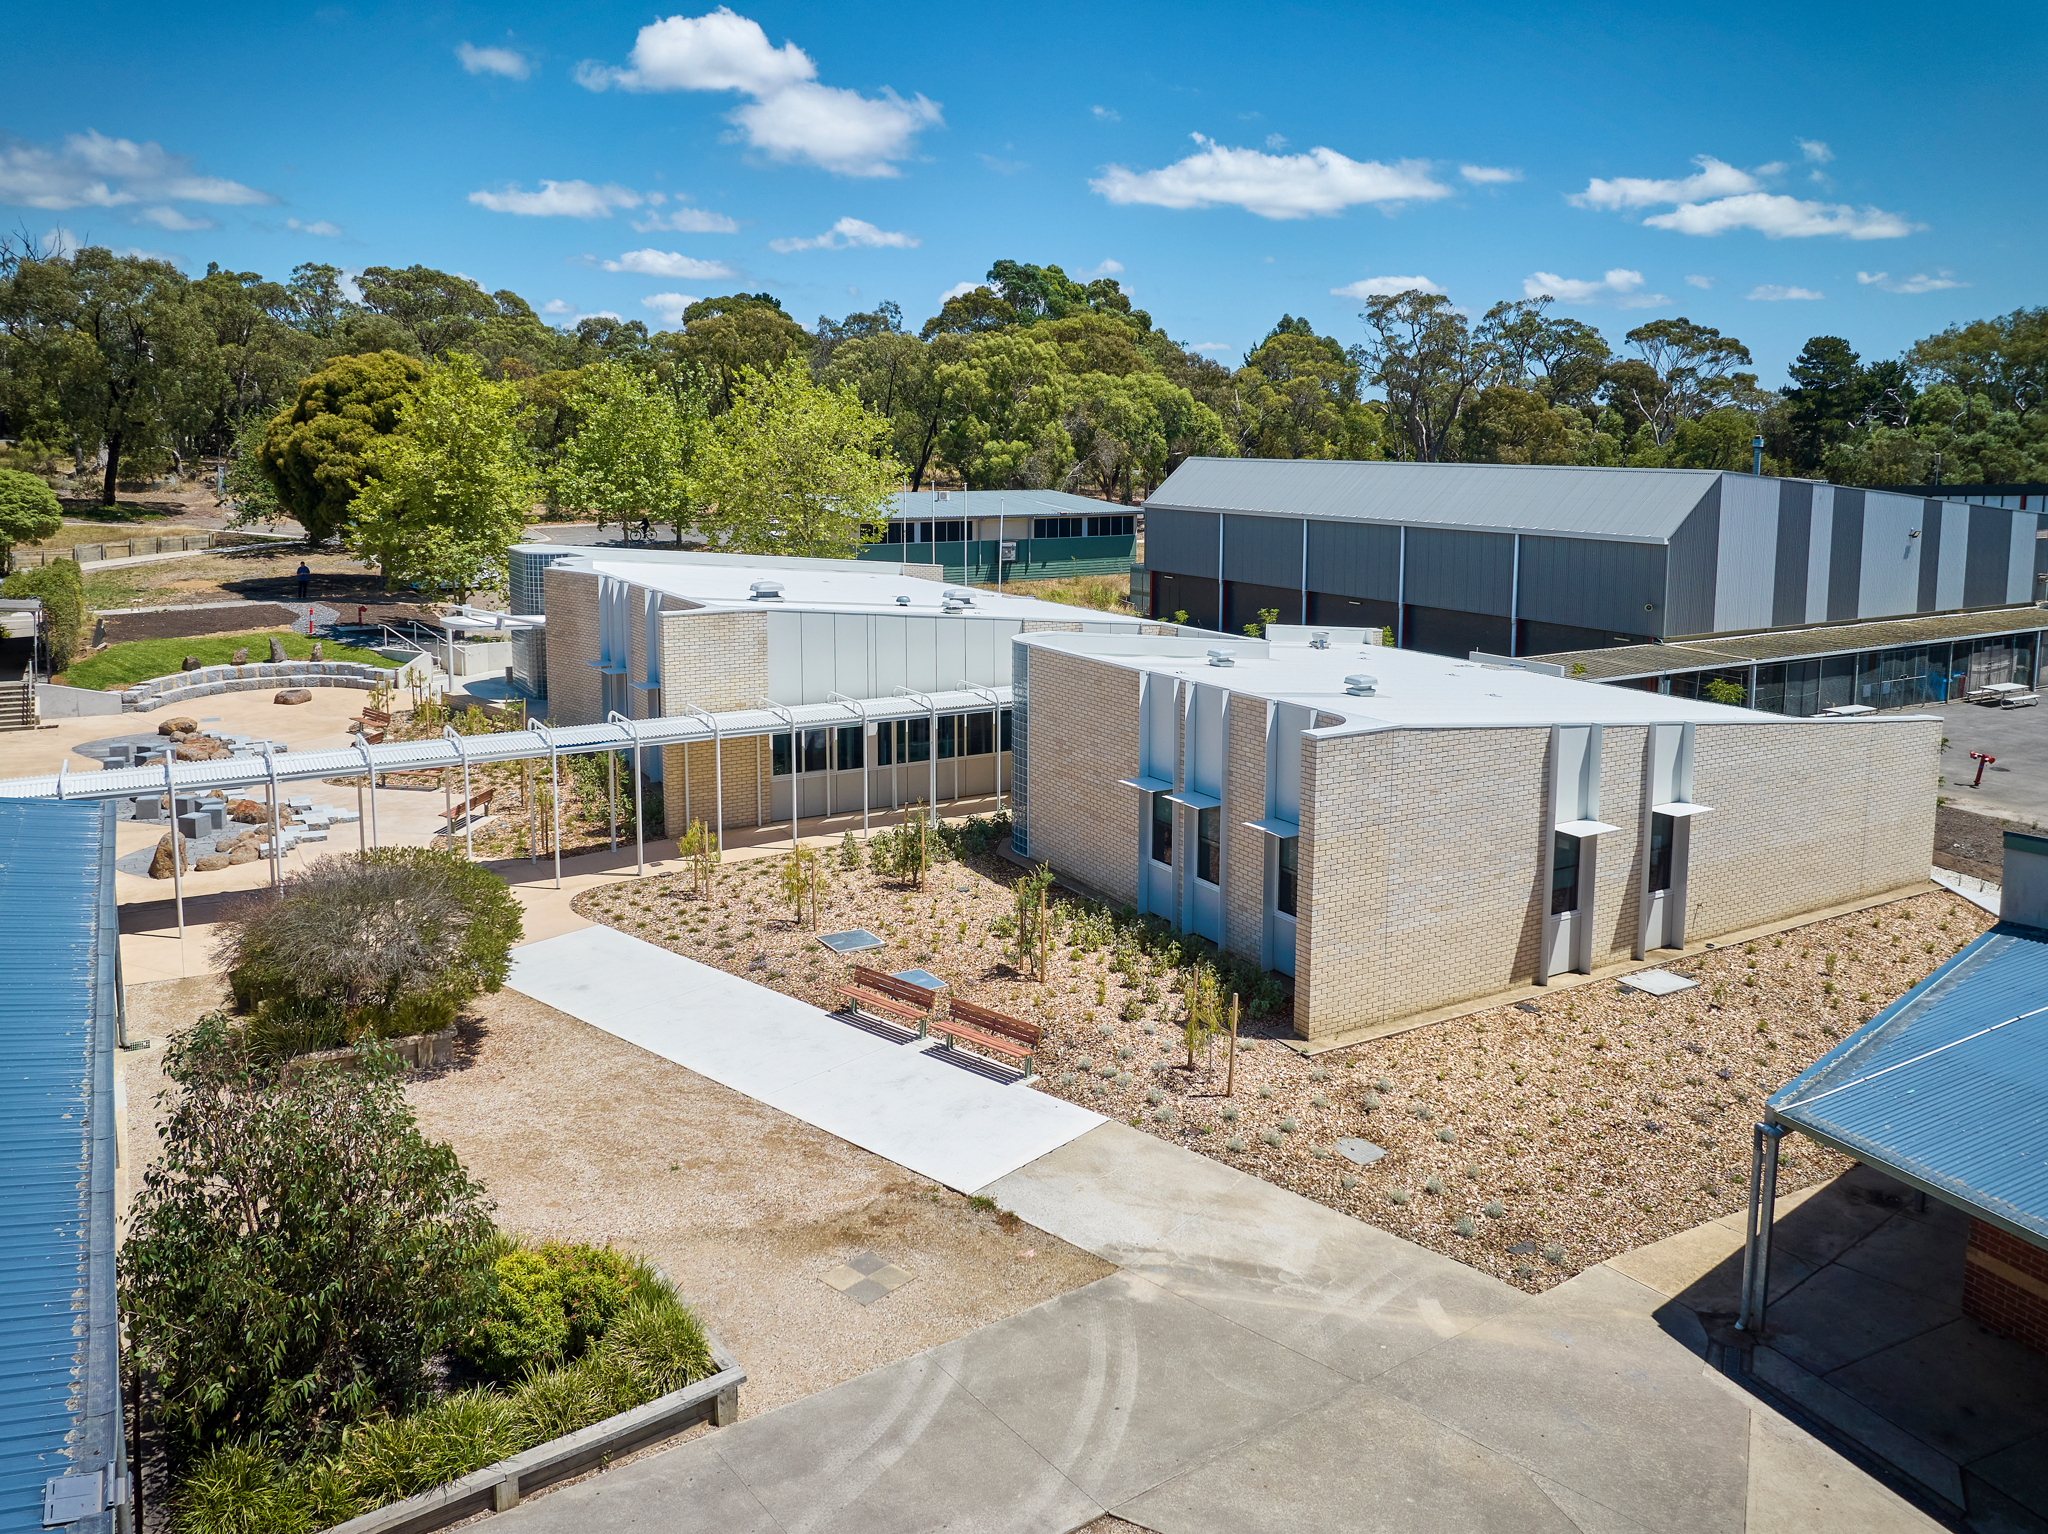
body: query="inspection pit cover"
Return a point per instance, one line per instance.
(1657, 982)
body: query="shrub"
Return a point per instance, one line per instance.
(242, 1488)
(62, 591)
(393, 1457)
(547, 1305)
(29, 512)
(299, 1251)
(395, 940)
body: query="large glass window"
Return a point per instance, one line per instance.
(849, 751)
(1006, 730)
(949, 735)
(778, 755)
(1162, 829)
(1290, 876)
(1662, 829)
(978, 727)
(905, 741)
(815, 749)
(1209, 846)
(1564, 875)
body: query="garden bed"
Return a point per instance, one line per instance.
(143, 660)
(1530, 1141)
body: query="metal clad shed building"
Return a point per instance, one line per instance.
(1523, 560)
(60, 1401)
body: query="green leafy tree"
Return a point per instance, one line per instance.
(1297, 397)
(1826, 397)
(794, 468)
(1422, 354)
(2005, 360)
(631, 452)
(317, 455)
(899, 378)
(724, 338)
(1010, 393)
(441, 311)
(259, 346)
(1128, 432)
(29, 513)
(1681, 371)
(1507, 424)
(450, 491)
(299, 1250)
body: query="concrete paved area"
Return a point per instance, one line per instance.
(1866, 1337)
(2016, 785)
(879, 1090)
(1261, 1364)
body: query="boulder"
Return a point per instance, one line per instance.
(316, 650)
(160, 865)
(178, 725)
(248, 811)
(211, 862)
(293, 695)
(244, 854)
(240, 657)
(277, 655)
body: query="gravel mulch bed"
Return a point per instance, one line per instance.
(1530, 1141)
(1970, 843)
(193, 622)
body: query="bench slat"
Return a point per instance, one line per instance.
(986, 1040)
(996, 1022)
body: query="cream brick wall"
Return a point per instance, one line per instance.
(1421, 851)
(574, 690)
(715, 660)
(1807, 814)
(1083, 738)
(1244, 850)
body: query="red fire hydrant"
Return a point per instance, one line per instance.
(1983, 759)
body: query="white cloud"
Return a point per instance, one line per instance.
(1212, 346)
(667, 263)
(574, 317)
(1619, 286)
(1385, 287)
(559, 199)
(957, 289)
(669, 306)
(1276, 141)
(1919, 282)
(1778, 217)
(557, 306)
(173, 220)
(1697, 281)
(91, 170)
(1719, 197)
(1321, 181)
(1714, 178)
(687, 221)
(791, 116)
(1107, 114)
(58, 244)
(1107, 269)
(1773, 292)
(1488, 175)
(1816, 151)
(319, 226)
(509, 62)
(849, 232)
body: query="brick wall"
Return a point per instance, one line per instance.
(1244, 850)
(1421, 851)
(1807, 814)
(575, 693)
(1083, 738)
(2005, 1285)
(715, 660)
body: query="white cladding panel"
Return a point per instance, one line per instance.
(1820, 543)
(2019, 574)
(1205, 740)
(891, 669)
(821, 659)
(1891, 556)
(1955, 558)
(1159, 730)
(785, 657)
(1578, 774)
(1746, 571)
(1289, 720)
(920, 651)
(851, 632)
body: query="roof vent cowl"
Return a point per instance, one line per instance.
(766, 591)
(1361, 686)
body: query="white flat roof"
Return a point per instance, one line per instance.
(817, 585)
(1413, 689)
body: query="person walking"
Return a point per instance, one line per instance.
(305, 580)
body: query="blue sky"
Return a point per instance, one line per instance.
(1871, 171)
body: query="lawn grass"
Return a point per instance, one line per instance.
(1104, 593)
(123, 665)
(144, 525)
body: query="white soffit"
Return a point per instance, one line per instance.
(1148, 785)
(1274, 826)
(1196, 801)
(1679, 809)
(1586, 827)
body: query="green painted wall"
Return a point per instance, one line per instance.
(1038, 559)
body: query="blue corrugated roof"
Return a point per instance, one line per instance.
(57, 973)
(1012, 503)
(1948, 1087)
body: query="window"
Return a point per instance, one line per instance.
(778, 756)
(1290, 875)
(978, 733)
(1564, 875)
(949, 732)
(814, 753)
(849, 747)
(1162, 829)
(893, 533)
(1006, 730)
(1112, 527)
(1662, 828)
(907, 740)
(1209, 846)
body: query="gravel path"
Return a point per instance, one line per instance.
(1530, 1141)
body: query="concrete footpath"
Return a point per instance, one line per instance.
(1259, 1364)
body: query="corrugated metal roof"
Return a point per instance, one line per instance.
(1727, 650)
(944, 504)
(58, 1404)
(1638, 504)
(1947, 1088)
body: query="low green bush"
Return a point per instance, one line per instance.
(62, 592)
(548, 1304)
(393, 1457)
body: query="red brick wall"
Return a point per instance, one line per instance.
(2005, 1285)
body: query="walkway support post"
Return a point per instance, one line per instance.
(717, 763)
(796, 764)
(370, 772)
(276, 824)
(611, 783)
(554, 797)
(639, 818)
(453, 735)
(861, 710)
(177, 857)
(931, 747)
(1763, 1209)
(995, 739)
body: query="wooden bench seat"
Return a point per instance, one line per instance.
(890, 999)
(994, 1031)
(374, 724)
(477, 802)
